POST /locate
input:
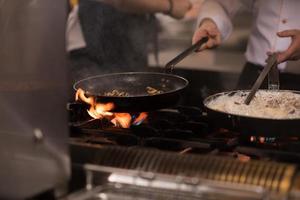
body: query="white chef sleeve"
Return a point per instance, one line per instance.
(221, 12)
(74, 35)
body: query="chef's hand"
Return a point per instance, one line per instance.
(193, 13)
(208, 28)
(293, 52)
(179, 8)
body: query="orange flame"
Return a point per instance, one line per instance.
(104, 107)
(122, 119)
(80, 95)
(97, 110)
(101, 110)
(140, 118)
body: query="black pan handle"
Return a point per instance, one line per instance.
(170, 65)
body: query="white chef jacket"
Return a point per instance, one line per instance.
(74, 35)
(270, 17)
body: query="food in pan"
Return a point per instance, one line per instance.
(153, 91)
(265, 104)
(116, 93)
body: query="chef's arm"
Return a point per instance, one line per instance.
(214, 20)
(174, 8)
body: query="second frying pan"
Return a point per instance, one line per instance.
(248, 125)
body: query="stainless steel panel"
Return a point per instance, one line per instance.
(33, 95)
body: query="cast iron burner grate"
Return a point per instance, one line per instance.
(181, 129)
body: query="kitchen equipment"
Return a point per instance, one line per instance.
(135, 172)
(136, 83)
(273, 78)
(33, 93)
(276, 176)
(139, 171)
(253, 125)
(271, 62)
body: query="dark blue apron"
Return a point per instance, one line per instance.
(116, 41)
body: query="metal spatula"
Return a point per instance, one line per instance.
(273, 78)
(272, 60)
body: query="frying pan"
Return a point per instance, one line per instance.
(135, 84)
(247, 125)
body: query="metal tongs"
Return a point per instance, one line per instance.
(170, 65)
(273, 77)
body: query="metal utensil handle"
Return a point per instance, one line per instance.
(170, 65)
(271, 62)
(273, 78)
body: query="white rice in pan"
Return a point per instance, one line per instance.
(265, 104)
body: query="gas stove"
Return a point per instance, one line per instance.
(203, 153)
(183, 129)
